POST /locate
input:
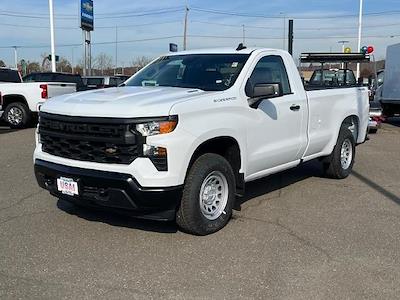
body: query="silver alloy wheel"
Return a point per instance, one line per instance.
(213, 195)
(346, 154)
(14, 116)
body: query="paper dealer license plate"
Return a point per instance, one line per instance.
(67, 186)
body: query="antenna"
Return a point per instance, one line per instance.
(240, 47)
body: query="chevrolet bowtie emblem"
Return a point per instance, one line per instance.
(111, 150)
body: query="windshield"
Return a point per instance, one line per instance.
(209, 72)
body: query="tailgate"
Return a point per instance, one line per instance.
(60, 88)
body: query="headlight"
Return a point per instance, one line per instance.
(157, 127)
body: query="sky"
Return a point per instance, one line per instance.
(145, 28)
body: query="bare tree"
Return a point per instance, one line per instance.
(46, 64)
(140, 61)
(103, 62)
(33, 67)
(64, 65)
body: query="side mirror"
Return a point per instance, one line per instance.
(263, 90)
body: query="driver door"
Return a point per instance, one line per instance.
(277, 132)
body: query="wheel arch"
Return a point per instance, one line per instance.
(352, 123)
(12, 98)
(229, 148)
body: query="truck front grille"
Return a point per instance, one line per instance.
(99, 140)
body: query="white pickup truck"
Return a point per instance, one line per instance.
(19, 102)
(185, 134)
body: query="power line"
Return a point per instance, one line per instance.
(195, 36)
(297, 29)
(297, 38)
(220, 12)
(128, 14)
(97, 27)
(97, 14)
(29, 16)
(138, 14)
(200, 22)
(94, 43)
(140, 25)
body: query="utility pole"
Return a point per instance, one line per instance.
(15, 57)
(244, 34)
(185, 27)
(116, 50)
(53, 50)
(359, 34)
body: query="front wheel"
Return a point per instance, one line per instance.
(17, 115)
(340, 163)
(208, 196)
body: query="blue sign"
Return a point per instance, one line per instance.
(87, 17)
(173, 47)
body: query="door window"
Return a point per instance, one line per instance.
(270, 69)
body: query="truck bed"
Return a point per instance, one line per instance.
(323, 117)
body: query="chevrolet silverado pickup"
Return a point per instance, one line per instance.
(20, 102)
(184, 135)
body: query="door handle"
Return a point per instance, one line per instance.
(295, 107)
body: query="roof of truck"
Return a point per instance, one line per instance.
(221, 51)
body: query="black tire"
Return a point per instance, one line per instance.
(333, 166)
(190, 216)
(25, 115)
(373, 130)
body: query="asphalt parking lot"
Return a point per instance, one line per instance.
(297, 236)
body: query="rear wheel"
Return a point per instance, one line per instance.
(208, 196)
(17, 115)
(340, 163)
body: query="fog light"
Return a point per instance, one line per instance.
(153, 151)
(157, 155)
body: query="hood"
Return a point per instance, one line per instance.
(120, 102)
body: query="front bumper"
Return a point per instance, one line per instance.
(112, 191)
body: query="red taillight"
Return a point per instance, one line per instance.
(45, 94)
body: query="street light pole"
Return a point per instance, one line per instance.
(15, 57)
(53, 50)
(72, 62)
(116, 50)
(185, 27)
(359, 34)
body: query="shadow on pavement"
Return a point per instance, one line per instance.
(253, 190)
(4, 130)
(115, 219)
(281, 180)
(377, 187)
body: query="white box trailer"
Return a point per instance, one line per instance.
(391, 87)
